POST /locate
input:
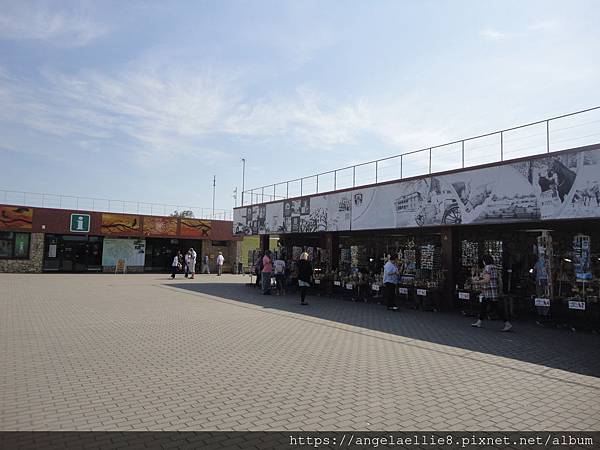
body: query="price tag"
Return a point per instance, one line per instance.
(375, 287)
(464, 296)
(317, 281)
(337, 283)
(422, 292)
(349, 286)
(576, 305)
(542, 302)
(403, 290)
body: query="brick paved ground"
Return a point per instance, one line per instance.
(142, 352)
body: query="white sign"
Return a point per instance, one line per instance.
(132, 251)
(317, 281)
(375, 287)
(542, 302)
(337, 283)
(422, 292)
(349, 286)
(52, 251)
(464, 296)
(403, 290)
(576, 305)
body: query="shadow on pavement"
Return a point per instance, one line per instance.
(552, 348)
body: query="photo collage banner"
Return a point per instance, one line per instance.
(561, 186)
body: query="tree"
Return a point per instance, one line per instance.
(186, 214)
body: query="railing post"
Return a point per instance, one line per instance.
(287, 189)
(274, 192)
(262, 194)
(502, 146)
(317, 183)
(301, 185)
(42, 200)
(376, 171)
(547, 136)
(401, 162)
(334, 180)
(59, 200)
(463, 154)
(93, 206)
(353, 176)
(429, 160)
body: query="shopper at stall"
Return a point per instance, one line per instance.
(175, 265)
(390, 280)
(220, 261)
(279, 267)
(489, 285)
(205, 264)
(266, 273)
(305, 273)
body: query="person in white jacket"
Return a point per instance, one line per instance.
(220, 261)
(192, 265)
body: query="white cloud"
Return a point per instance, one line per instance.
(32, 21)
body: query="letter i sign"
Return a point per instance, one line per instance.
(80, 223)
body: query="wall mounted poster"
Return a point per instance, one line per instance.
(195, 227)
(561, 186)
(16, 218)
(160, 226)
(133, 251)
(120, 224)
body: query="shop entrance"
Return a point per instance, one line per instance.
(160, 252)
(73, 253)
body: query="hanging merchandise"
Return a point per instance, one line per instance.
(494, 249)
(296, 253)
(581, 257)
(427, 256)
(470, 253)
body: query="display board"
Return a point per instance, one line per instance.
(133, 251)
(160, 226)
(15, 218)
(561, 186)
(120, 224)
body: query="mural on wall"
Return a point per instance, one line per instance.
(133, 251)
(160, 226)
(16, 217)
(195, 227)
(304, 215)
(120, 224)
(554, 187)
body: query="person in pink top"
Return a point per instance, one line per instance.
(267, 271)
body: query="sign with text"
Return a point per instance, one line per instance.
(464, 296)
(403, 290)
(375, 287)
(422, 292)
(576, 305)
(542, 302)
(80, 223)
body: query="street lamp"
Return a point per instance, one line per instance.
(243, 178)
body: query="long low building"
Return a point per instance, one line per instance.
(57, 240)
(538, 217)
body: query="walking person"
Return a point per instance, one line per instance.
(266, 273)
(220, 261)
(305, 273)
(205, 265)
(490, 290)
(279, 266)
(390, 280)
(193, 256)
(258, 270)
(175, 265)
(186, 260)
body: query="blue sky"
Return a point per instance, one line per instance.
(147, 101)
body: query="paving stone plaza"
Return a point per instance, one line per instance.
(143, 352)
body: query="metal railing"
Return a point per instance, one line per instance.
(506, 144)
(35, 199)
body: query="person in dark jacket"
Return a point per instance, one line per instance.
(305, 272)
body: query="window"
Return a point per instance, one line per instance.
(14, 245)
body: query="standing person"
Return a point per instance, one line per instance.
(186, 260)
(175, 265)
(205, 265)
(267, 271)
(305, 273)
(193, 256)
(390, 280)
(489, 288)
(220, 261)
(258, 269)
(279, 266)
